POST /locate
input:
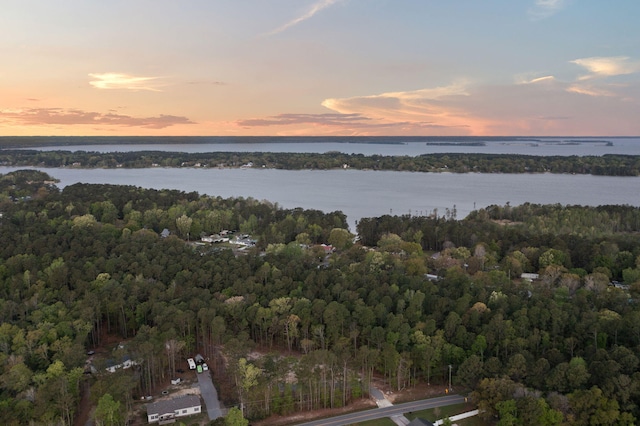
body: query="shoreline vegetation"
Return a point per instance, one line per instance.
(605, 165)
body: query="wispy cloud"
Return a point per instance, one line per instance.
(207, 83)
(588, 90)
(422, 105)
(315, 119)
(60, 116)
(315, 8)
(545, 8)
(607, 66)
(120, 81)
(545, 79)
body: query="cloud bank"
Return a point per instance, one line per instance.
(543, 105)
(72, 117)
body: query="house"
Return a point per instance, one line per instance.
(328, 248)
(127, 362)
(530, 277)
(215, 238)
(618, 284)
(245, 240)
(167, 411)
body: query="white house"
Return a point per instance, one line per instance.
(215, 238)
(127, 362)
(166, 411)
(530, 277)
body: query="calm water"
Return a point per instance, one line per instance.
(382, 146)
(371, 193)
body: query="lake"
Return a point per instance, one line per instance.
(360, 193)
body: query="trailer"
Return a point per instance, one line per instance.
(192, 364)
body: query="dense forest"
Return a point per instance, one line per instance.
(605, 165)
(403, 300)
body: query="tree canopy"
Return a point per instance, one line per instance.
(411, 297)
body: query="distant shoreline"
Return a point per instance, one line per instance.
(605, 165)
(42, 141)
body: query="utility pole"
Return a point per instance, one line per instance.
(450, 378)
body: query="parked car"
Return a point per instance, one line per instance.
(192, 364)
(205, 367)
(199, 369)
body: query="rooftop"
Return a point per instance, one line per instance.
(171, 405)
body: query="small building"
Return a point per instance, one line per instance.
(618, 284)
(127, 362)
(215, 238)
(167, 411)
(245, 240)
(328, 248)
(530, 277)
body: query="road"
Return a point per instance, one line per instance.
(209, 395)
(393, 410)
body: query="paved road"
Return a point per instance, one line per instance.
(209, 395)
(377, 413)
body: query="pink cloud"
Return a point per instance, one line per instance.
(352, 124)
(316, 119)
(70, 117)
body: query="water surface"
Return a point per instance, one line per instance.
(360, 193)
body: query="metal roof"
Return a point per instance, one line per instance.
(170, 406)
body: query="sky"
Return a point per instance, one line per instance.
(319, 67)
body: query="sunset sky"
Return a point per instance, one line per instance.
(320, 67)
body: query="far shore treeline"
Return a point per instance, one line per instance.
(605, 165)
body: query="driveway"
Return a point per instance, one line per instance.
(209, 395)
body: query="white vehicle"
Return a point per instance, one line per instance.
(192, 364)
(205, 367)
